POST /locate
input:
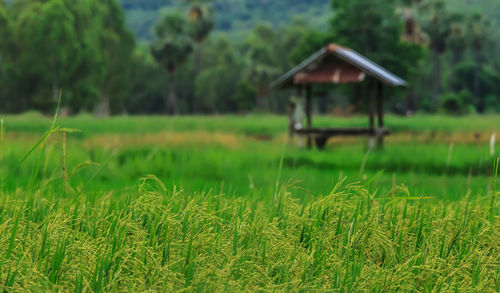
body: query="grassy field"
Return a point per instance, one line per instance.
(228, 203)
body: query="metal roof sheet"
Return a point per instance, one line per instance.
(347, 55)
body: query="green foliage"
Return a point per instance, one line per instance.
(172, 46)
(374, 29)
(85, 48)
(93, 58)
(214, 83)
(466, 38)
(171, 49)
(201, 22)
(463, 77)
(235, 18)
(147, 85)
(460, 103)
(487, 8)
(437, 23)
(117, 44)
(457, 38)
(245, 96)
(309, 44)
(57, 42)
(261, 60)
(492, 103)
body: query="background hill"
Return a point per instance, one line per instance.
(234, 17)
(237, 17)
(490, 8)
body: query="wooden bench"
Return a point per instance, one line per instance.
(321, 135)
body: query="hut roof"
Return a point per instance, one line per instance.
(336, 64)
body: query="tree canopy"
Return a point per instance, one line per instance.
(85, 49)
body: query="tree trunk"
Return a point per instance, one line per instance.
(456, 57)
(103, 109)
(260, 103)
(436, 57)
(411, 105)
(260, 99)
(197, 59)
(55, 91)
(197, 70)
(477, 84)
(124, 111)
(171, 102)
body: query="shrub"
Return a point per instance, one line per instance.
(493, 104)
(460, 103)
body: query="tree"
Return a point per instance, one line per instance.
(171, 49)
(375, 30)
(290, 38)
(412, 32)
(200, 25)
(147, 84)
(52, 47)
(5, 58)
(457, 38)
(479, 31)
(218, 82)
(463, 77)
(311, 42)
(49, 29)
(5, 30)
(437, 26)
(260, 60)
(366, 26)
(117, 44)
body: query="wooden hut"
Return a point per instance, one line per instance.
(340, 65)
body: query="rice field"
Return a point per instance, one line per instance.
(228, 203)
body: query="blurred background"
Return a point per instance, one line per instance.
(210, 63)
(206, 57)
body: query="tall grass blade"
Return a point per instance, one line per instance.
(47, 134)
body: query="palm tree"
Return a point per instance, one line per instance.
(437, 26)
(200, 25)
(457, 39)
(412, 34)
(171, 49)
(479, 32)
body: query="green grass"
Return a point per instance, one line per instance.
(223, 204)
(252, 125)
(240, 155)
(253, 168)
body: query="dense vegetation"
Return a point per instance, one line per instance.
(449, 58)
(234, 18)
(217, 204)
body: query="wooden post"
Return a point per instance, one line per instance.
(299, 90)
(371, 112)
(371, 104)
(380, 114)
(309, 113)
(292, 121)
